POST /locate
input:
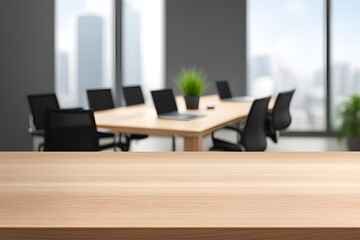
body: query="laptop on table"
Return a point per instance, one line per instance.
(165, 104)
(226, 95)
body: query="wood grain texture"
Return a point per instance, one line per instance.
(193, 144)
(182, 234)
(180, 195)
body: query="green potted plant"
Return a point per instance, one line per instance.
(349, 112)
(192, 83)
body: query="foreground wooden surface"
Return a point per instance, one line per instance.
(179, 196)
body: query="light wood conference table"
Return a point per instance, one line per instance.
(180, 196)
(142, 119)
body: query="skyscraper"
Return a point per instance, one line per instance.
(63, 74)
(90, 55)
(341, 81)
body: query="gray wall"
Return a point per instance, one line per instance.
(208, 34)
(26, 65)
(118, 54)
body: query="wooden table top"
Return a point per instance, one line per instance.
(143, 118)
(177, 190)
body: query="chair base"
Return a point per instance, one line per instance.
(274, 136)
(220, 145)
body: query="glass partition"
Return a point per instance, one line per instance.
(286, 46)
(345, 48)
(84, 48)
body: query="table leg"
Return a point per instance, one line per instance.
(193, 144)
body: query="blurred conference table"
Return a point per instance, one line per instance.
(142, 119)
(180, 196)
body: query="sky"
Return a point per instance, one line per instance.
(346, 31)
(292, 31)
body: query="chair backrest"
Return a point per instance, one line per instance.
(38, 104)
(254, 137)
(281, 118)
(133, 95)
(100, 99)
(223, 89)
(70, 130)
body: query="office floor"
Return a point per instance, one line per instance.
(285, 144)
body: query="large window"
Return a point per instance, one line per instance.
(345, 37)
(143, 44)
(286, 49)
(84, 48)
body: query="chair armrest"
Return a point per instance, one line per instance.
(236, 129)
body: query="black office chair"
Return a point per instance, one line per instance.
(102, 99)
(133, 95)
(252, 136)
(279, 118)
(71, 130)
(38, 104)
